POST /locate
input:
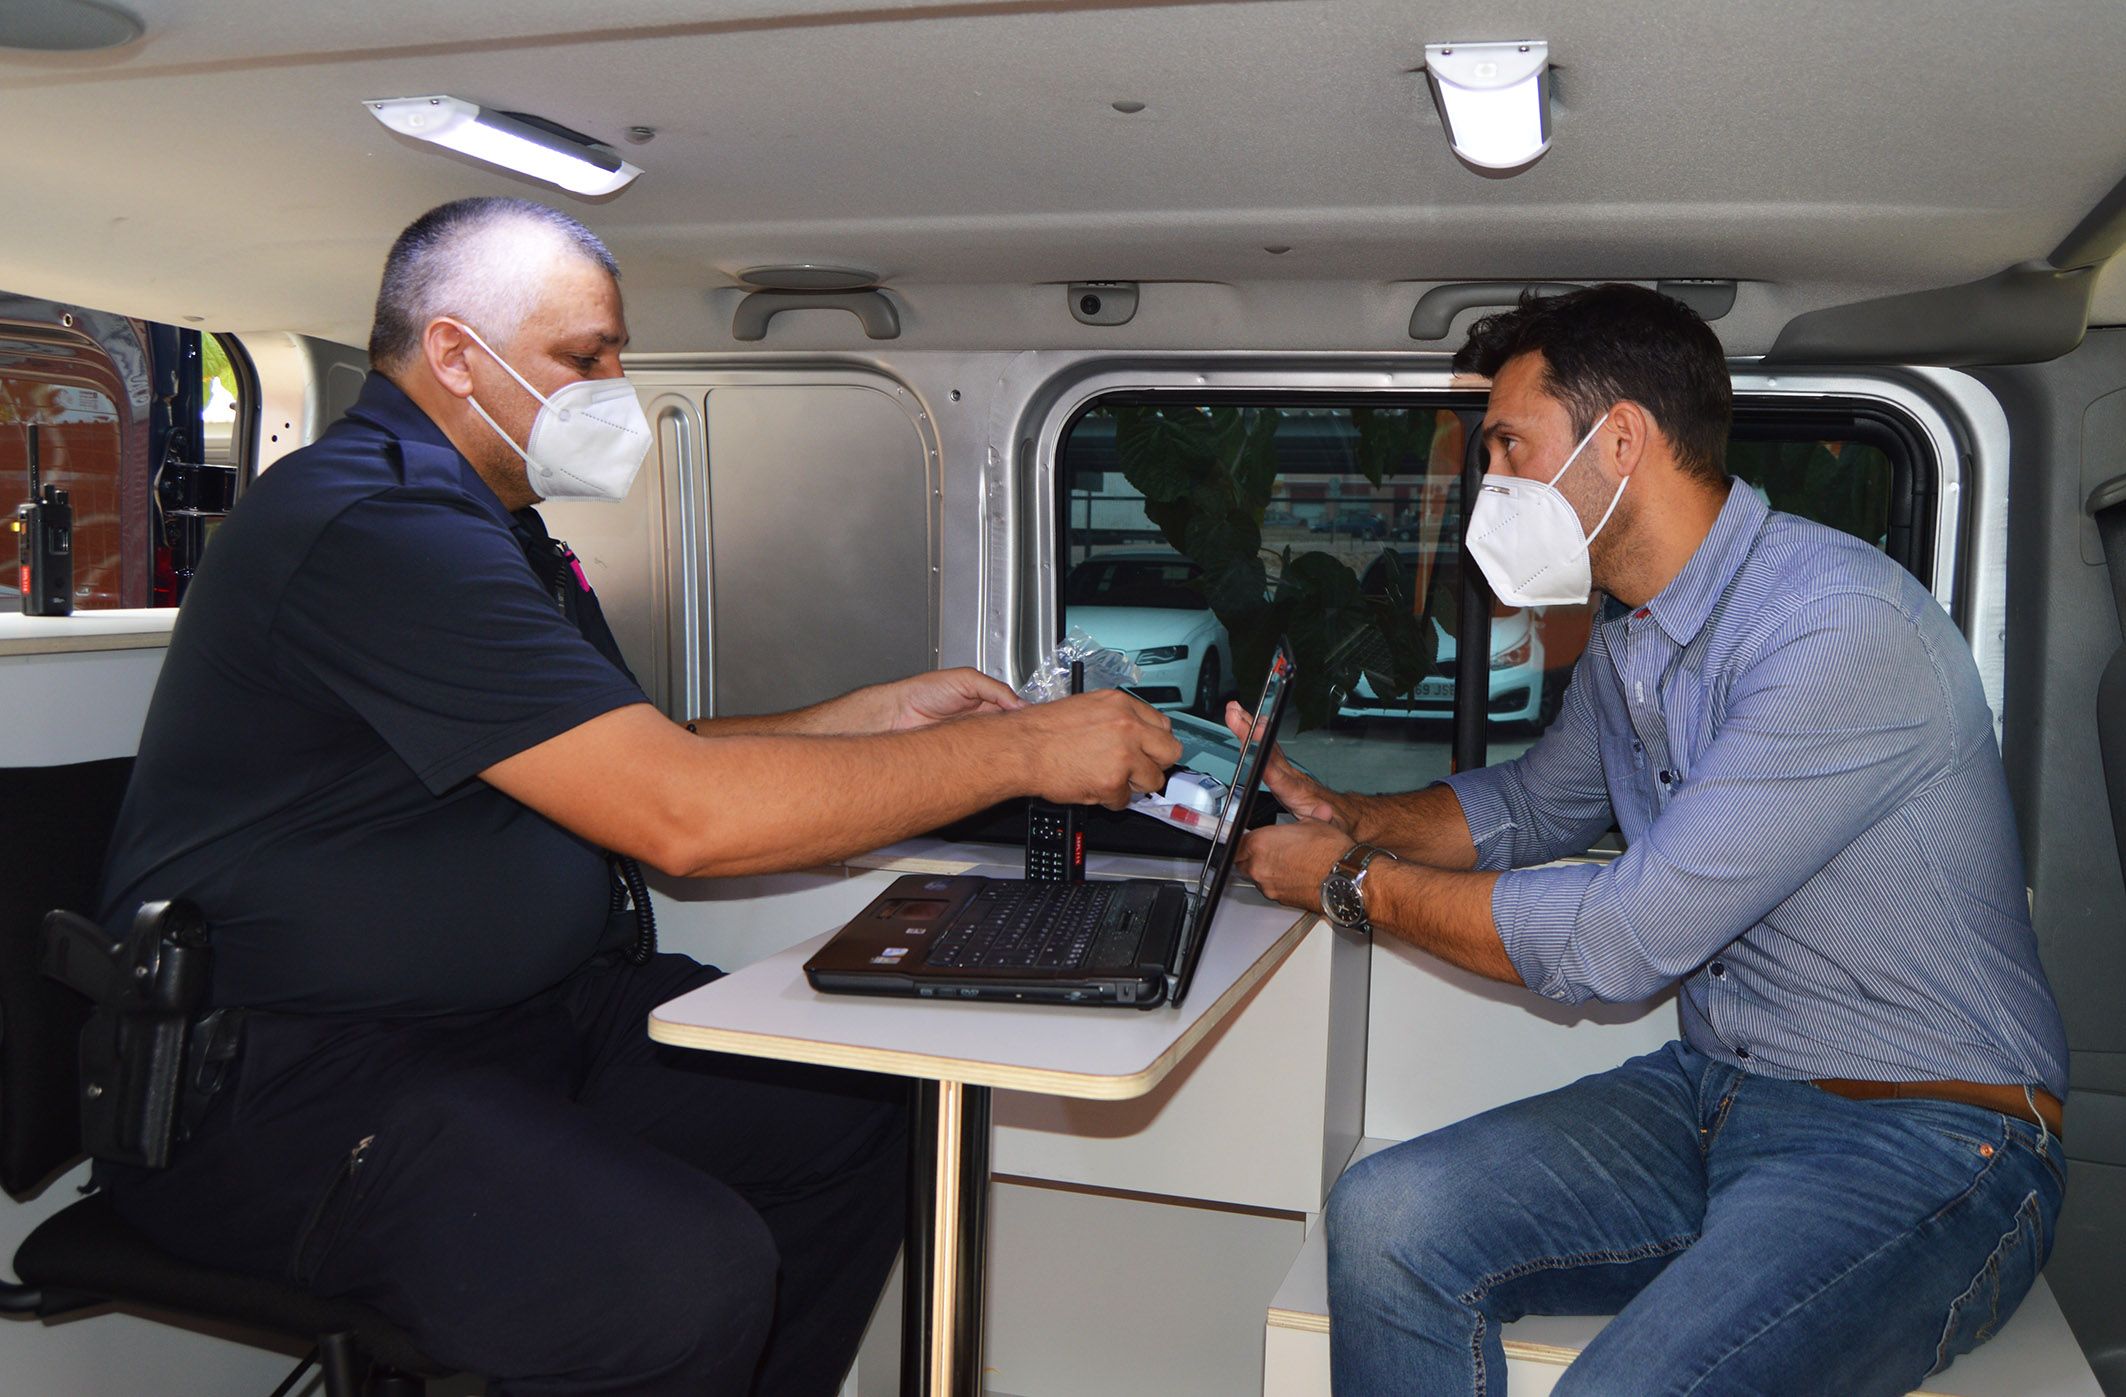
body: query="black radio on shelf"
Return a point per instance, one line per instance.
(44, 529)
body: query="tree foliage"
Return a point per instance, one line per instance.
(1206, 475)
(214, 366)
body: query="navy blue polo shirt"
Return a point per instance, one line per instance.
(364, 637)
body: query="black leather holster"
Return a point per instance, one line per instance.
(147, 988)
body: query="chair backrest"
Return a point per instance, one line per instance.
(55, 827)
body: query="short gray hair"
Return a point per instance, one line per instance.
(476, 260)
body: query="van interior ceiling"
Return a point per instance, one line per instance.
(902, 277)
(1817, 155)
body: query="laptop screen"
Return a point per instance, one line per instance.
(1233, 814)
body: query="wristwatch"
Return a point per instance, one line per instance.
(1343, 892)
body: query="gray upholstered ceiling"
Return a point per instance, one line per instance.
(1819, 150)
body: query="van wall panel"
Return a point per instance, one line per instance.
(2066, 630)
(2063, 417)
(820, 556)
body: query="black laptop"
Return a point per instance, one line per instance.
(1103, 941)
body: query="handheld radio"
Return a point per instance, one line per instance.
(44, 529)
(1055, 834)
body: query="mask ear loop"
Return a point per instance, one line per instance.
(493, 425)
(1614, 500)
(1552, 482)
(499, 360)
(496, 428)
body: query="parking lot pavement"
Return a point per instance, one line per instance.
(1383, 755)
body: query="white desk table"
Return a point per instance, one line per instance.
(959, 1051)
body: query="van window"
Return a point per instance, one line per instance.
(1197, 534)
(141, 424)
(1856, 468)
(80, 380)
(1358, 556)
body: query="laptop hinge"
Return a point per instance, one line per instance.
(1185, 944)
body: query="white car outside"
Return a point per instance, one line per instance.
(1521, 690)
(1143, 604)
(1516, 689)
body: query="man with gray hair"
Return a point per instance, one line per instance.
(398, 760)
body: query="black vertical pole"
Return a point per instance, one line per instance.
(974, 1240)
(915, 1253)
(1472, 653)
(188, 415)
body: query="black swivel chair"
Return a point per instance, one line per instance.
(2107, 503)
(55, 824)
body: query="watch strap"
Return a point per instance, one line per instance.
(1353, 866)
(1358, 879)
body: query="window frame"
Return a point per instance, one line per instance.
(1933, 414)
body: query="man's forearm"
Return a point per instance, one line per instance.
(730, 802)
(1424, 826)
(1446, 914)
(800, 800)
(733, 802)
(858, 711)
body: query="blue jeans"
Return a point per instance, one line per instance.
(1751, 1235)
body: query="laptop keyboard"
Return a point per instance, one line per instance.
(1014, 926)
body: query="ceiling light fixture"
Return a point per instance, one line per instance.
(1494, 100)
(513, 140)
(66, 26)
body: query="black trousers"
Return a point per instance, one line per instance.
(543, 1196)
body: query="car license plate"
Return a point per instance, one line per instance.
(1440, 689)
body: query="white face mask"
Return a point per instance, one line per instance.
(588, 440)
(1526, 536)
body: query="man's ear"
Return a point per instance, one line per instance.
(1633, 438)
(446, 347)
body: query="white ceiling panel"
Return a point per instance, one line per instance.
(222, 168)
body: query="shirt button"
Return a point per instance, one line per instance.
(1743, 1053)
(1718, 970)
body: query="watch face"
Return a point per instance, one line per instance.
(1339, 897)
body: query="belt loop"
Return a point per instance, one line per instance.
(2044, 1132)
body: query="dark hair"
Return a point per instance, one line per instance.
(1608, 343)
(456, 260)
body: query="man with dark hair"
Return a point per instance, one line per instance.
(391, 755)
(1847, 1170)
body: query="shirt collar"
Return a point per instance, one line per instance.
(385, 406)
(1691, 594)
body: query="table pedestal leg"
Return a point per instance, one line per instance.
(948, 1208)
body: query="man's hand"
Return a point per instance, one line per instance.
(1301, 794)
(923, 699)
(1097, 749)
(1288, 862)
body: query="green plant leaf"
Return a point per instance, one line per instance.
(1163, 457)
(1390, 441)
(1207, 476)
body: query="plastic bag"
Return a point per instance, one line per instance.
(1104, 669)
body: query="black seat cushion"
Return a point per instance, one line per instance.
(90, 1252)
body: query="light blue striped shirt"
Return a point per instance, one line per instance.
(1819, 845)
